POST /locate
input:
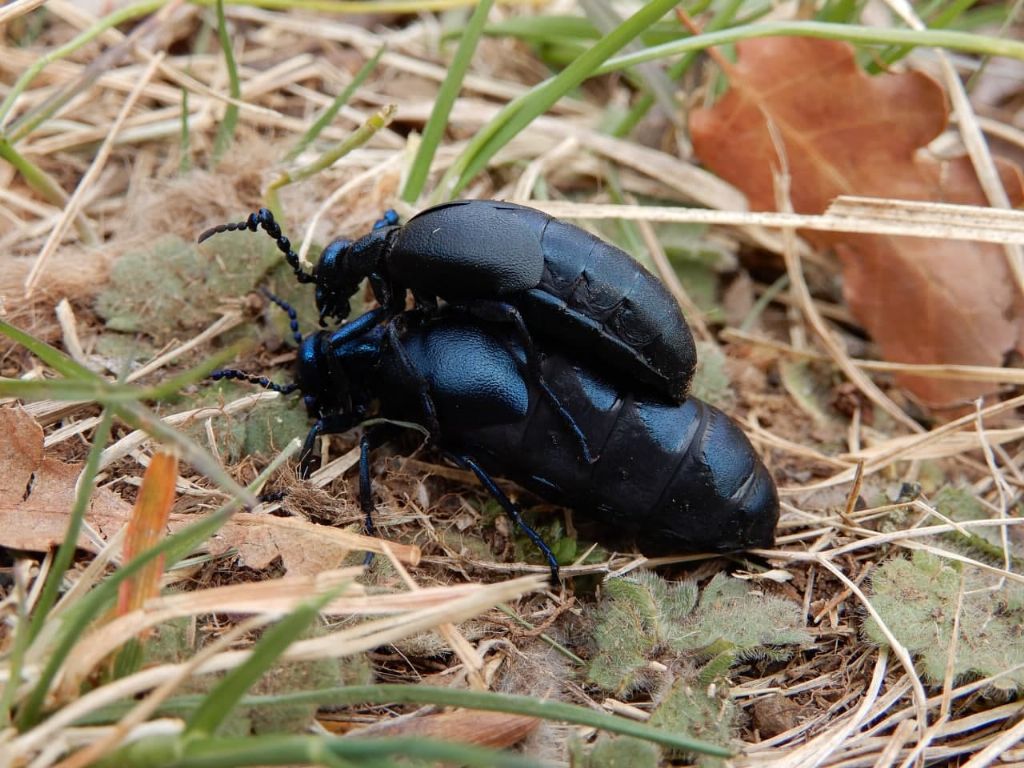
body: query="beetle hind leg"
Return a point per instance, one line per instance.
(511, 510)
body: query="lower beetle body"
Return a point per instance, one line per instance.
(671, 477)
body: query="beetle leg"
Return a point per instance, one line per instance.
(356, 328)
(388, 219)
(309, 460)
(383, 291)
(413, 377)
(503, 312)
(366, 489)
(511, 510)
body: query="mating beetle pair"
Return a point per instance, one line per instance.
(502, 262)
(671, 473)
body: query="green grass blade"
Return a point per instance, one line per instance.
(224, 697)
(561, 30)
(524, 109)
(357, 138)
(35, 177)
(102, 391)
(936, 17)
(280, 749)
(433, 131)
(328, 115)
(676, 70)
(185, 140)
(65, 389)
(76, 620)
(226, 129)
(650, 78)
(445, 697)
(52, 356)
(40, 181)
(109, 21)
(935, 38)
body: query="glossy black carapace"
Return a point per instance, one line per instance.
(671, 477)
(505, 262)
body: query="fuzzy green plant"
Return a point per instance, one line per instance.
(172, 285)
(616, 752)
(736, 618)
(962, 505)
(711, 381)
(920, 600)
(638, 620)
(700, 709)
(644, 618)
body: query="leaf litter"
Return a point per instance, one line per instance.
(843, 132)
(712, 650)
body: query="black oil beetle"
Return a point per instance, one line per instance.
(672, 477)
(501, 261)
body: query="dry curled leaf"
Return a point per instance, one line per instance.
(498, 730)
(843, 132)
(37, 492)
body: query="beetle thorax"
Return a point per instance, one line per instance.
(344, 264)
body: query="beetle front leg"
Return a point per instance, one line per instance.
(503, 312)
(511, 510)
(309, 460)
(366, 488)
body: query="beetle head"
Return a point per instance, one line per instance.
(343, 265)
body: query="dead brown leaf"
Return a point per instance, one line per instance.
(497, 730)
(37, 494)
(843, 132)
(305, 548)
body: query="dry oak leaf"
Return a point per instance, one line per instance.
(497, 730)
(37, 494)
(843, 132)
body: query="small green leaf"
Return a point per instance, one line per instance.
(704, 711)
(226, 126)
(733, 616)
(917, 599)
(711, 382)
(173, 286)
(619, 752)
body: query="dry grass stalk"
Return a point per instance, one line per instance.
(857, 708)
